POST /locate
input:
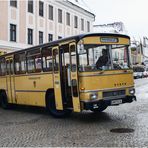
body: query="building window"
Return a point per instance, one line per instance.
(82, 24)
(68, 19)
(13, 32)
(41, 8)
(30, 36)
(75, 22)
(88, 26)
(13, 3)
(30, 6)
(40, 37)
(59, 15)
(50, 37)
(59, 37)
(50, 12)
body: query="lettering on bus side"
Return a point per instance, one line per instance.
(120, 84)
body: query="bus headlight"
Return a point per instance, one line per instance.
(94, 96)
(132, 91)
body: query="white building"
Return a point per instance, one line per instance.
(25, 23)
(116, 27)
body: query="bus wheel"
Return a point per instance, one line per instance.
(51, 107)
(101, 108)
(4, 101)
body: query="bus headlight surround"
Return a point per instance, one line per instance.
(93, 96)
(132, 91)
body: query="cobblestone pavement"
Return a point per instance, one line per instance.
(34, 127)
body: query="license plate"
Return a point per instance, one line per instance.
(115, 102)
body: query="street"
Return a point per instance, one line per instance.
(34, 127)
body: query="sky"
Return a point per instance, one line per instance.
(133, 13)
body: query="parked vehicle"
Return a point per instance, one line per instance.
(145, 73)
(138, 71)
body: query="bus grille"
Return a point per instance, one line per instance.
(114, 93)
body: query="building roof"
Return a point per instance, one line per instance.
(81, 4)
(116, 27)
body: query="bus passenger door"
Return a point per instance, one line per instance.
(10, 80)
(74, 78)
(57, 79)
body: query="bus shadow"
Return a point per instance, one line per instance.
(90, 117)
(29, 109)
(85, 116)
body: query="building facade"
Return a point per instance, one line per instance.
(136, 53)
(116, 27)
(31, 22)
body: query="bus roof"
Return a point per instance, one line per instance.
(76, 37)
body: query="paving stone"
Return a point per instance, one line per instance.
(34, 127)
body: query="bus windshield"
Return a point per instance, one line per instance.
(102, 57)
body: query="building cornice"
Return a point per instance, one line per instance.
(11, 46)
(77, 8)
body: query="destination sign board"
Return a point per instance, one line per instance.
(108, 40)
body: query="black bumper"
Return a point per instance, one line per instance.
(108, 102)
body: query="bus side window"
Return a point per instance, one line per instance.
(11, 67)
(73, 58)
(47, 59)
(34, 61)
(20, 63)
(56, 60)
(38, 63)
(2, 67)
(7, 67)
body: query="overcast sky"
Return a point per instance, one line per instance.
(133, 13)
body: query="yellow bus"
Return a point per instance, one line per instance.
(83, 72)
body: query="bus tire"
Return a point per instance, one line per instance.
(101, 108)
(51, 108)
(4, 100)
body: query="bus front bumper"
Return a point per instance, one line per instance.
(108, 102)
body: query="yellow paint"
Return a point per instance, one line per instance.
(3, 84)
(99, 94)
(31, 98)
(75, 100)
(26, 82)
(76, 104)
(9, 91)
(2, 53)
(24, 92)
(27, 93)
(96, 40)
(57, 86)
(91, 81)
(57, 92)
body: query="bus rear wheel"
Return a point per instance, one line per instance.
(51, 107)
(4, 100)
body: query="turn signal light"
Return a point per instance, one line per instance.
(82, 88)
